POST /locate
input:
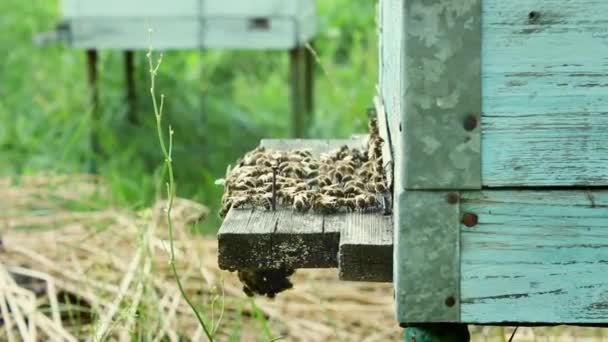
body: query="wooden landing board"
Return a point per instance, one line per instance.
(535, 257)
(360, 244)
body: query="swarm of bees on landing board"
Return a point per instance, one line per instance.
(344, 180)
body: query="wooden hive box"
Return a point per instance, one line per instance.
(497, 116)
(189, 24)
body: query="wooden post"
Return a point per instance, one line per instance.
(297, 92)
(94, 100)
(309, 87)
(130, 86)
(437, 333)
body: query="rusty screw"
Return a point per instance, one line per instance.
(450, 301)
(470, 122)
(533, 16)
(469, 219)
(453, 198)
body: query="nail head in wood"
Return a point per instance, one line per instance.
(533, 16)
(450, 301)
(453, 198)
(470, 122)
(469, 219)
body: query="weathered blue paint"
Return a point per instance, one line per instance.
(545, 92)
(535, 256)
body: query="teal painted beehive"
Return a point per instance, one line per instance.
(497, 117)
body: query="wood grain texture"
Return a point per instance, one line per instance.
(545, 93)
(366, 247)
(359, 243)
(535, 256)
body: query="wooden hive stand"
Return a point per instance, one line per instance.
(495, 115)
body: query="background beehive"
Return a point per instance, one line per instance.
(188, 24)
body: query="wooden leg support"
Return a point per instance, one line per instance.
(94, 98)
(309, 86)
(130, 86)
(297, 63)
(437, 333)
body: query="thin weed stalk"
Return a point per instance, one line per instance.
(170, 185)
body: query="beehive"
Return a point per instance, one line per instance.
(189, 24)
(497, 113)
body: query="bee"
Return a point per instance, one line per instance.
(241, 186)
(349, 203)
(304, 153)
(313, 165)
(380, 187)
(239, 201)
(265, 178)
(346, 168)
(312, 182)
(265, 201)
(336, 192)
(371, 200)
(286, 196)
(325, 204)
(301, 202)
(347, 178)
(311, 173)
(324, 181)
(361, 201)
(226, 205)
(301, 187)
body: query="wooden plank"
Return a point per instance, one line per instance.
(366, 247)
(237, 234)
(132, 33)
(187, 8)
(243, 33)
(184, 33)
(130, 8)
(299, 241)
(535, 257)
(545, 103)
(265, 239)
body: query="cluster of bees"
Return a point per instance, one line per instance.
(346, 179)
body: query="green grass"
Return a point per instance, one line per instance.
(220, 103)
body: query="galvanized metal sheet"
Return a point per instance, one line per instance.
(427, 260)
(441, 126)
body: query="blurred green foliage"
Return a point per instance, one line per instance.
(220, 103)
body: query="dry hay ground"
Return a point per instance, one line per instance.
(73, 269)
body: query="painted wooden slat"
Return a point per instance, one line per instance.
(122, 34)
(535, 256)
(131, 8)
(187, 33)
(545, 95)
(187, 8)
